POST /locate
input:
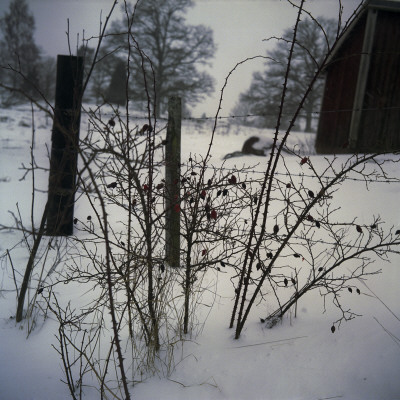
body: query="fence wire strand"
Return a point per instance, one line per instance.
(290, 174)
(235, 170)
(205, 118)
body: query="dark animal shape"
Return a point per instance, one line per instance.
(249, 149)
(257, 146)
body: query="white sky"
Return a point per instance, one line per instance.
(239, 29)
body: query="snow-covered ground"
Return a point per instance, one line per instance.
(297, 359)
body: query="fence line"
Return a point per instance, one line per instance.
(235, 170)
(288, 174)
(300, 115)
(315, 113)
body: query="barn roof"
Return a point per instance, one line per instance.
(390, 5)
(385, 5)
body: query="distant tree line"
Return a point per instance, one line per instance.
(24, 69)
(149, 51)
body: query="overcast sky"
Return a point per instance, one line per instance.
(239, 29)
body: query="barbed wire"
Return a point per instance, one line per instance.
(236, 170)
(204, 118)
(290, 174)
(300, 115)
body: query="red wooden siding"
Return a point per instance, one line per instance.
(380, 122)
(340, 87)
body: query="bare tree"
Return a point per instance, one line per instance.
(175, 52)
(18, 48)
(26, 73)
(263, 96)
(116, 92)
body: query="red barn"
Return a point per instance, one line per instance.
(361, 104)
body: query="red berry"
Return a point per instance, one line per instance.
(232, 179)
(303, 160)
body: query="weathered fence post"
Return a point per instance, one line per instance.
(64, 149)
(172, 181)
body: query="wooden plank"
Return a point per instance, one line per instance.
(380, 123)
(338, 98)
(362, 78)
(64, 150)
(172, 182)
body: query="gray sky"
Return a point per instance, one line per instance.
(239, 29)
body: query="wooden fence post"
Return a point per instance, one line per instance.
(172, 181)
(64, 148)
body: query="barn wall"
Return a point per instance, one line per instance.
(380, 122)
(340, 87)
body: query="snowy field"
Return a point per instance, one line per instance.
(297, 359)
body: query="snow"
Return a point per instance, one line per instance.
(297, 359)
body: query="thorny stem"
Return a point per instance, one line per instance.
(115, 328)
(284, 243)
(30, 265)
(148, 214)
(268, 178)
